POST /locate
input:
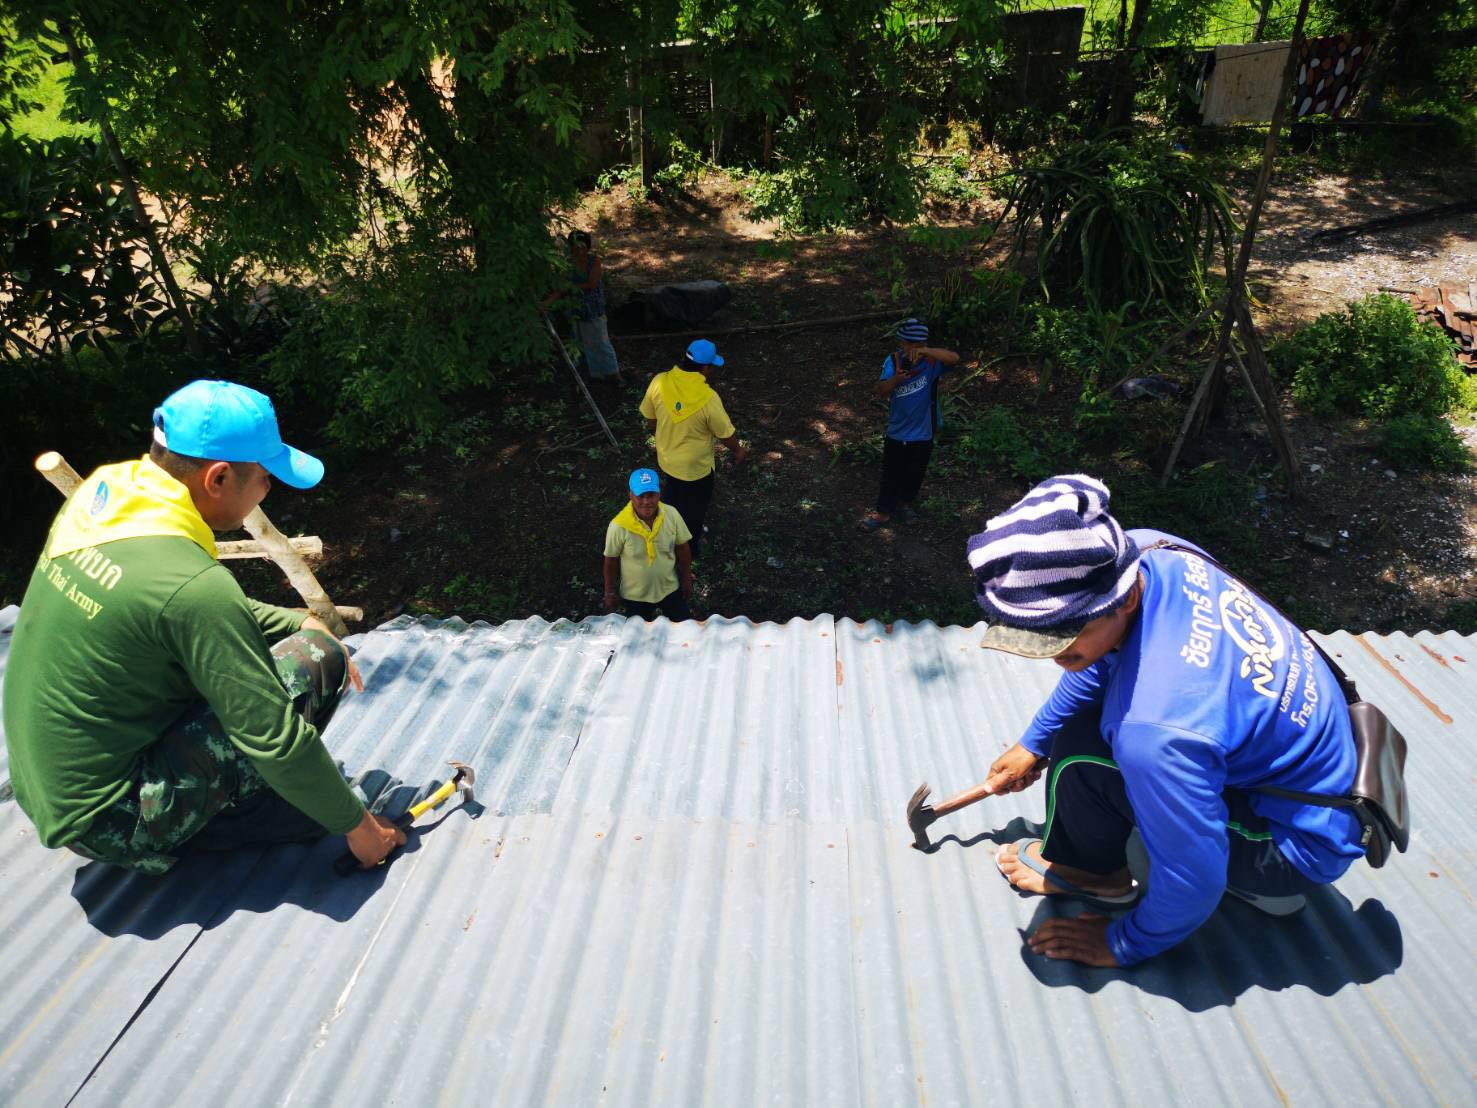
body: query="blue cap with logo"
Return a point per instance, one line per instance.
(226, 422)
(703, 352)
(644, 480)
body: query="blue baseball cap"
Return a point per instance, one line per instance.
(703, 352)
(226, 422)
(644, 480)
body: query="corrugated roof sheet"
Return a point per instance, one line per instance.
(691, 883)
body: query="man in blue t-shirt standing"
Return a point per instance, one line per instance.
(1185, 695)
(910, 378)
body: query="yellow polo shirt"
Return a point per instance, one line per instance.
(648, 584)
(685, 449)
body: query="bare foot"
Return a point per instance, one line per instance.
(1026, 879)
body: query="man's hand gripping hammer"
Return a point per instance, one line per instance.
(461, 782)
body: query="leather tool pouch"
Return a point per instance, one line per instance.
(1377, 797)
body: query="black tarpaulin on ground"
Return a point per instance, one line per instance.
(676, 307)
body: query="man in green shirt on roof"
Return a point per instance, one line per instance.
(144, 710)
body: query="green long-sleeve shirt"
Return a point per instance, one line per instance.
(112, 644)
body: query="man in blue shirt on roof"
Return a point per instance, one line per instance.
(910, 377)
(1184, 693)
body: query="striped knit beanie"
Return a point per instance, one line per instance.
(1049, 564)
(912, 330)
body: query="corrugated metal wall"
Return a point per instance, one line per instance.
(691, 883)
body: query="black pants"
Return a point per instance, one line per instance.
(673, 606)
(1089, 818)
(691, 499)
(903, 467)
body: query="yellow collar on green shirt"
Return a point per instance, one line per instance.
(127, 500)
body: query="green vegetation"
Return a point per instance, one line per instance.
(1415, 441)
(1373, 358)
(996, 440)
(44, 120)
(1118, 221)
(362, 204)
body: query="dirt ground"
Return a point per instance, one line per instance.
(512, 524)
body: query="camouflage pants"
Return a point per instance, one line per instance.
(195, 782)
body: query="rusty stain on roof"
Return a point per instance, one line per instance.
(1439, 657)
(1422, 697)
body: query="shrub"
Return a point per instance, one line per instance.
(1466, 400)
(971, 302)
(1374, 359)
(952, 181)
(1121, 221)
(996, 440)
(1415, 441)
(1092, 343)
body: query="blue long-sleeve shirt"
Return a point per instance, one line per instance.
(1210, 689)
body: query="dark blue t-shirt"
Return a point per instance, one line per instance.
(911, 416)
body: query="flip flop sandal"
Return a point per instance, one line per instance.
(1063, 885)
(1272, 905)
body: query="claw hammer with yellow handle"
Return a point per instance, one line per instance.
(461, 782)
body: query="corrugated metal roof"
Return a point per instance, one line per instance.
(692, 883)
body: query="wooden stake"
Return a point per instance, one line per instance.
(272, 543)
(1200, 390)
(55, 469)
(1236, 279)
(298, 574)
(578, 380)
(306, 545)
(1259, 376)
(1167, 343)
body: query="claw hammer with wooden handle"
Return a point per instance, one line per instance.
(921, 815)
(461, 781)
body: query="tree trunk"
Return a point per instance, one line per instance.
(130, 188)
(1377, 68)
(1261, 21)
(1125, 73)
(428, 110)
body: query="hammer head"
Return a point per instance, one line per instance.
(464, 777)
(920, 815)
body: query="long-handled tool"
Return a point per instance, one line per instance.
(461, 782)
(578, 380)
(921, 815)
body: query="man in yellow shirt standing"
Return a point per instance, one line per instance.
(688, 418)
(648, 557)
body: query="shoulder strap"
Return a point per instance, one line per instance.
(1346, 686)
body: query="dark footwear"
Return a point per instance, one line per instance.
(1272, 905)
(872, 523)
(908, 515)
(1122, 900)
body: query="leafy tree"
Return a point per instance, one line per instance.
(849, 86)
(372, 145)
(69, 250)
